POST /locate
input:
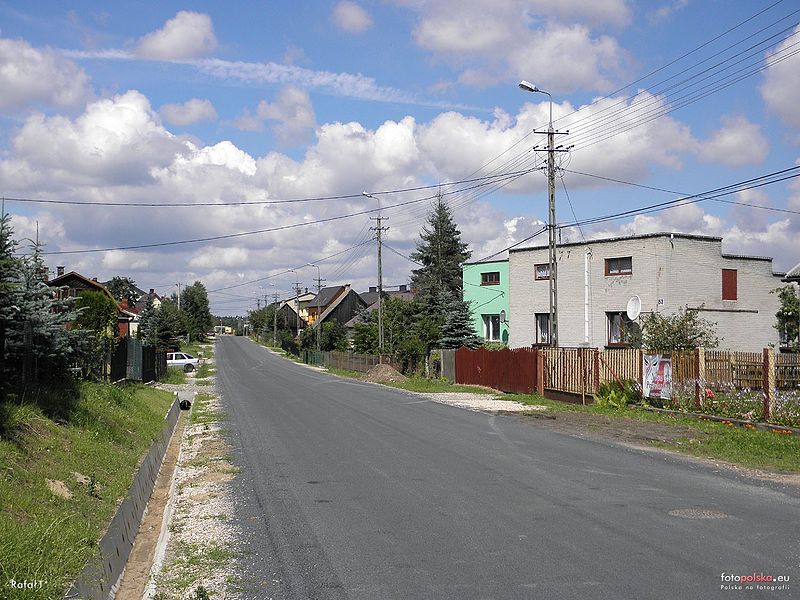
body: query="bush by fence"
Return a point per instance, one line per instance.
(349, 360)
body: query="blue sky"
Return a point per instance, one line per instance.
(136, 103)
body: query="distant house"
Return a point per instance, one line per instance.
(298, 305)
(666, 271)
(486, 290)
(341, 303)
(294, 322)
(73, 284)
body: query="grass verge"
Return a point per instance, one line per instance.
(745, 447)
(202, 413)
(205, 370)
(174, 375)
(91, 456)
(419, 384)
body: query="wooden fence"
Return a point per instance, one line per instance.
(787, 367)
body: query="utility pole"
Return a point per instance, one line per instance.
(318, 322)
(275, 320)
(296, 305)
(551, 210)
(378, 231)
(179, 294)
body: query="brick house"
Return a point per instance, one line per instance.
(667, 271)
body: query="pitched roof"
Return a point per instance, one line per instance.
(326, 295)
(62, 279)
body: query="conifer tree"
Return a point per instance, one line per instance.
(440, 253)
(458, 330)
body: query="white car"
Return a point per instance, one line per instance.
(187, 362)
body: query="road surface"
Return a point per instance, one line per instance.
(360, 491)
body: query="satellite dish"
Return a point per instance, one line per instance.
(634, 307)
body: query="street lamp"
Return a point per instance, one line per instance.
(551, 205)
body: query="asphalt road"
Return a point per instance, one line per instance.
(361, 491)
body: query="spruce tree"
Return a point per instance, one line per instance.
(146, 331)
(440, 253)
(458, 330)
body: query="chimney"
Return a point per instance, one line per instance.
(306, 290)
(152, 291)
(403, 288)
(94, 279)
(59, 271)
(373, 288)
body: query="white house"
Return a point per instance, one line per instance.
(667, 271)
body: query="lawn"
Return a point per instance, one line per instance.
(738, 445)
(91, 456)
(174, 375)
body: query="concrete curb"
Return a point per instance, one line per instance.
(740, 422)
(102, 574)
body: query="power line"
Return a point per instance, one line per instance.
(668, 191)
(248, 233)
(247, 202)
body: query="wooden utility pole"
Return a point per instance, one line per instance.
(275, 320)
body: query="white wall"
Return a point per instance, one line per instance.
(677, 272)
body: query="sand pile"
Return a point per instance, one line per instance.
(383, 374)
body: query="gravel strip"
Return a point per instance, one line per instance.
(480, 402)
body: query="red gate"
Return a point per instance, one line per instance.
(506, 370)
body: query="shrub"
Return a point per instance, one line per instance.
(618, 394)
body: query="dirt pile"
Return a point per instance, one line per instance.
(383, 374)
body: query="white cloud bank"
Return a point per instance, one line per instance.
(191, 111)
(187, 35)
(350, 17)
(31, 76)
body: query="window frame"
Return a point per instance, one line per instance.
(486, 281)
(488, 329)
(623, 317)
(537, 317)
(536, 268)
(610, 273)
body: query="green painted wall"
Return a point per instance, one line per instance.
(486, 299)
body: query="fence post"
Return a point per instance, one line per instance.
(596, 382)
(700, 373)
(769, 382)
(539, 358)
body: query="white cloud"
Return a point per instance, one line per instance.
(189, 112)
(350, 17)
(294, 114)
(781, 87)
(514, 39)
(115, 141)
(187, 35)
(666, 11)
(220, 258)
(30, 76)
(738, 143)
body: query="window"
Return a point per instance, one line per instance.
(619, 266)
(729, 284)
(618, 322)
(542, 271)
(542, 329)
(492, 278)
(491, 327)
